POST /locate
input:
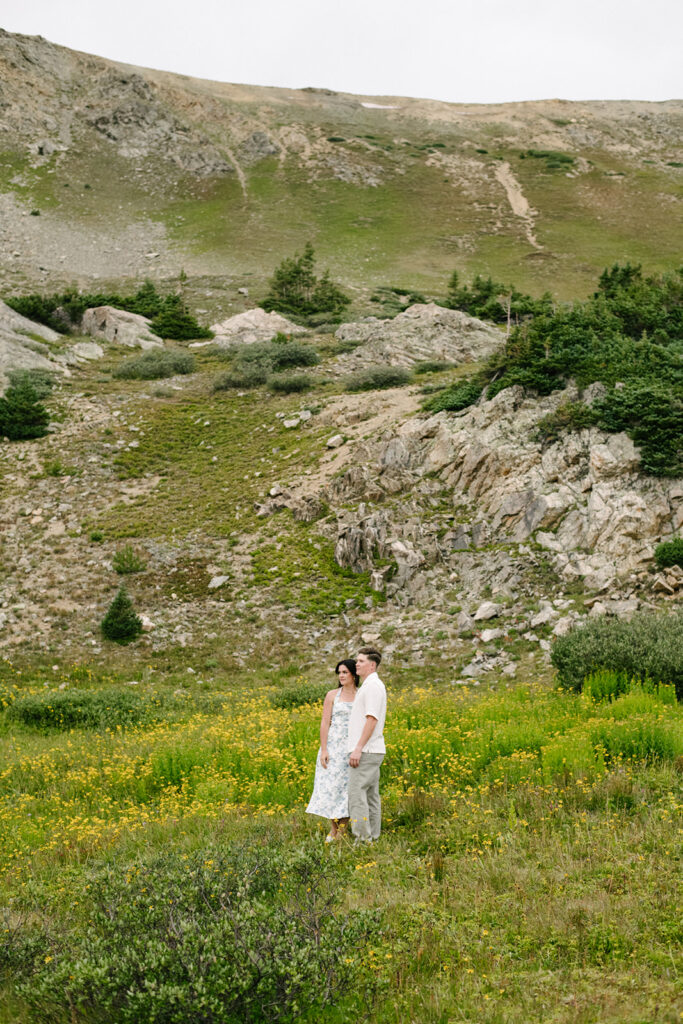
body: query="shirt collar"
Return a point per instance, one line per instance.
(372, 676)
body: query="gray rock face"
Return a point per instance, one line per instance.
(252, 326)
(119, 327)
(21, 347)
(423, 331)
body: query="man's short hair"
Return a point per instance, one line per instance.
(372, 654)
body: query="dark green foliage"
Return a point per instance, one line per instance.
(217, 937)
(299, 694)
(289, 384)
(652, 415)
(155, 364)
(121, 624)
(22, 417)
(669, 552)
(64, 311)
(649, 646)
(87, 709)
(568, 416)
(374, 378)
(489, 300)
(295, 289)
(455, 398)
(175, 321)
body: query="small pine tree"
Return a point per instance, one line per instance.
(121, 624)
(295, 289)
(22, 417)
(175, 321)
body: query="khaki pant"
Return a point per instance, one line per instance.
(365, 807)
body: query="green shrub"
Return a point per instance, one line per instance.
(169, 314)
(298, 695)
(374, 378)
(211, 938)
(569, 416)
(251, 377)
(96, 536)
(453, 399)
(433, 366)
(121, 624)
(669, 552)
(87, 709)
(289, 384)
(649, 646)
(281, 353)
(42, 381)
(22, 417)
(155, 364)
(652, 416)
(489, 299)
(126, 561)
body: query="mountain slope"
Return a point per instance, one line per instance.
(131, 172)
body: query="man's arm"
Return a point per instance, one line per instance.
(368, 729)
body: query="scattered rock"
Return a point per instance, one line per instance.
(250, 327)
(218, 581)
(487, 610)
(335, 442)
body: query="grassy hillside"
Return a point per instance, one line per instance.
(528, 868)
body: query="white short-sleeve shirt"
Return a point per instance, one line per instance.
(371, 699)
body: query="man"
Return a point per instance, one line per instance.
(366, 748)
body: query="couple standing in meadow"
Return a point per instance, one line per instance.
(346, 788)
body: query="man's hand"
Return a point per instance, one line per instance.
(354, 757)
(324, 758)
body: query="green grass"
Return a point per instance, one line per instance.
(529, 867)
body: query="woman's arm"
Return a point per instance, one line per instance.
(325, 727)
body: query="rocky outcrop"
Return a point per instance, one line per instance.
(23, 344)
(421, 332)
(249, 327)
(583, 500)
(119, 327)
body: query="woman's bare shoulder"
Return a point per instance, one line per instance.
(331, 694)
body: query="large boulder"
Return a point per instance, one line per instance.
(251, 326)
(119, 327)
(23, 344)
(422, 332)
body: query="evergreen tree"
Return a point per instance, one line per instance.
(295, 289)
(175, 321)
(121, 624)
(22, 417)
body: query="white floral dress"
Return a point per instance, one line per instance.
(331, 787)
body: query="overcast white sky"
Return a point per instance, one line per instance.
(471, 51)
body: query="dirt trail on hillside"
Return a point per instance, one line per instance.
(518, 201)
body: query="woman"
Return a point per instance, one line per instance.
(331, 787)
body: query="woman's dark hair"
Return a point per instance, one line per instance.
(351, 665)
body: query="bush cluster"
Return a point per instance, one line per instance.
(492, 300)
(375, 378)
(458, 396)
(627, 335)
(647, 647)
(262, 362)
(63, 311)
(156, 364)
(569, 416)
(86, 709)
(126, 561)
(214, 937)
(299, 694)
